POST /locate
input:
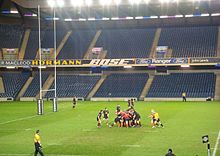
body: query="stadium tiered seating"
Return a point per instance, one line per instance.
(33, 45)
(77, 44)
(127, 43)
(123, 85)
(11, 36)
(196, 85)
(34, 88)
(13, 82)
(74, 85)
(190, 41)
(48, 40)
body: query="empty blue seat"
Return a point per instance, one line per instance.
(123, 85)
(194, 84)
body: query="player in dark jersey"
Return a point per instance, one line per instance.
(129, 103)
(132, 102)
(137, 119)
(106, 115)
(99, 118)
(118, 108)
(117, 119)
(74, 102)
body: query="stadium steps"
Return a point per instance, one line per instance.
(218, 46)
(2, 88)
(24, 88)
(146, 87)
(63, 42)
(96, 87)
(92, 44)
(46, 85)
(217, 87)
(24, 44)
(155, 43)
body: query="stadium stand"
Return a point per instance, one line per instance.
(77, 44)
(11, 36)
(196, 85)
(13, 83)
(74, 85)
(48, 40)
(34, 88)
(190, 41)
(123, 85)
(126, 43)
(32, 45)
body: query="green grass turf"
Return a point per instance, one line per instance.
(74, 132)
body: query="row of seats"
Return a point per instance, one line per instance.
(194, 84)
(47, 41)
(115, 85)
(34, 88)
(11, 36)
(77, 44)
(119, 43)
(122, 85)
(13, 82)
(190, 41)
(73, 85)
(127, 43)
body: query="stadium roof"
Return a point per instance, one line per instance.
(27, 9)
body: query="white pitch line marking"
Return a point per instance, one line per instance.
(131, 145)
(216, 144)
(20, 119)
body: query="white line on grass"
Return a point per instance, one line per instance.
(29, 117)
(216, 144)
(20, 119)
(131, 145)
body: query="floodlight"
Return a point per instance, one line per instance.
(146, 1)
(91, 19)
(129, 18)
(68, 19)
(51, 3)
(105, 18)
(139, 17)
(105, 2)
(115, 18)
(204, 15)
(178, 16)
(77, 3)
(60, 3)
(82, 19)
(137, 1)
(164, 1)
(88, 2)
(215, 14)
(131, 2)
(117, 2)
(13, 11)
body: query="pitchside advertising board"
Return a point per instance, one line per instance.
(111, 62)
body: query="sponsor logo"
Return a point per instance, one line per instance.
(111, 62)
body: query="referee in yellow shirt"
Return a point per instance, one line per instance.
(37, 143)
